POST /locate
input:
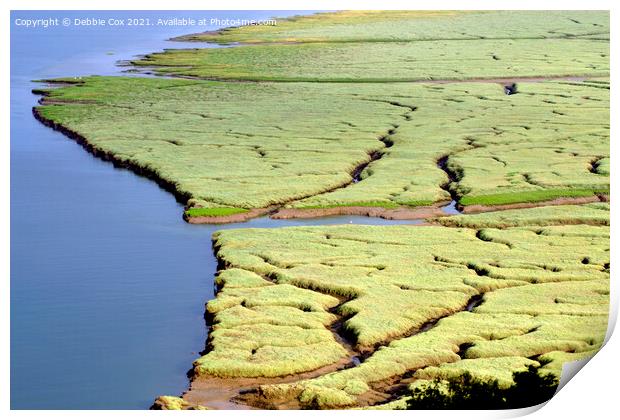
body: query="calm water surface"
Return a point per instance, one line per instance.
(108, 284)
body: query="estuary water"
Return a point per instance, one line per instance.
(108, 283)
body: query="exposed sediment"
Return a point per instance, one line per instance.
(232, 218)
(241, 393)
(400, 213)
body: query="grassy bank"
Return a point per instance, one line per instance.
(544, 298)
(375, 62)
(534, 196)
(589, 214)
(399, 26)
(238, 145)
(400, 46)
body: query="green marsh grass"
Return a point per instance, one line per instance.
(391, 61)
(592, 214)
(400, 26)
(248, 146)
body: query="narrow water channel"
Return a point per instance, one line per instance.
(108, 283)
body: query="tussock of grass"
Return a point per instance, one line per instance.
(565, 333)
(372, 323)
(566, 297)
(266, 330)
(236, 278)
(267, 350)
(281, 295)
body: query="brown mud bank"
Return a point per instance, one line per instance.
(243, 393)
(477, 208)
(232, 218)
(401, 213)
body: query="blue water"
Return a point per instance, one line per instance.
(108, 284)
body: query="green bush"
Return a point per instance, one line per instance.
(468, 393)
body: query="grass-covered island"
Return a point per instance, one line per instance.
(369, 313)
(389, 114)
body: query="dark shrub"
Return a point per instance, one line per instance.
(467, 393)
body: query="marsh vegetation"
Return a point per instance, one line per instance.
(299, 145)
(381, 316)
(401, 298)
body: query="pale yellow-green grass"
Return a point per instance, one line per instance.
(545, 294)
(267, 350)
(168, 402)
(288, 298)
(494, 144)
(439, 346)
(266, 330)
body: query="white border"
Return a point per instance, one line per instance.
(591, 394)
